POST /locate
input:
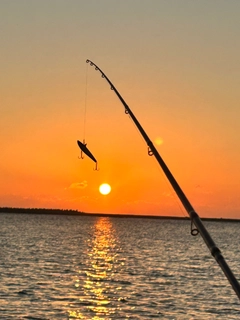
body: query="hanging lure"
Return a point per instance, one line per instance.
(83, 145)
(84, 149)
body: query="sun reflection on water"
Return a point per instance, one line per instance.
(94, 281)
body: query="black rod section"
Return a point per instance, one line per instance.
(215, 251)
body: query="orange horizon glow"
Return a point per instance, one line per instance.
(178, 72)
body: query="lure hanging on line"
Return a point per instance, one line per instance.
(84, 149)
(83, 145)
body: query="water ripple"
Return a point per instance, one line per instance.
(60, 267)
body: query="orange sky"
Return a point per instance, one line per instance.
(177, 67)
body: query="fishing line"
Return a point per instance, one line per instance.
(85, 107)
(175, 198)
(83, 145)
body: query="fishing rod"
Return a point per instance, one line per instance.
(195, 219)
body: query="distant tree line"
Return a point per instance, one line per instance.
(40, 210)
(76, 212)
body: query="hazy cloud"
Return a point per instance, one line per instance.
(167, 194)
(78, 185)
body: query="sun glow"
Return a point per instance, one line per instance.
(105, 188)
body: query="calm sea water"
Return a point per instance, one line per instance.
(73, 267)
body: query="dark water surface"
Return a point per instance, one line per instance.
(75, 267)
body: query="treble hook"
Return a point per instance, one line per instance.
(81, 156)
(96, 167)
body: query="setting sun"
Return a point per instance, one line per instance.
(105, 188)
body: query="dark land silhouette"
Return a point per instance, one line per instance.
(117, 215)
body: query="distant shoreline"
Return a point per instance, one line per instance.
(117, 215)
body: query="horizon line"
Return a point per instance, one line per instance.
(117, 215)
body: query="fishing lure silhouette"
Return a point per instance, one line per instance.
(84, 149)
